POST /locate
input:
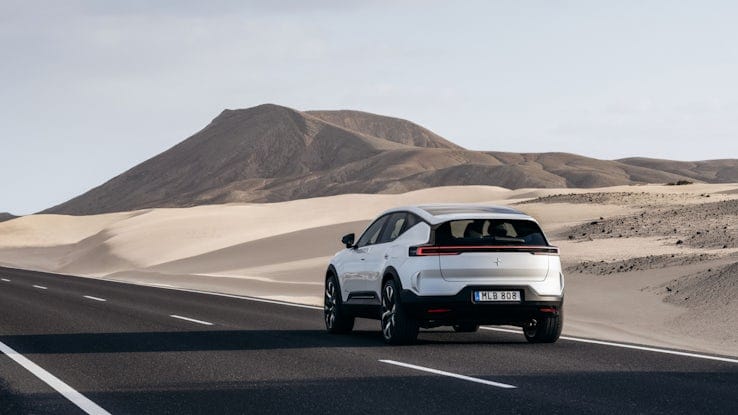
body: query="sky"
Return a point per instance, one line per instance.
(88, 89)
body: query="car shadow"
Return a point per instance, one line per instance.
(184, 341)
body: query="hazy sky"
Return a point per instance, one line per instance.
(89, 89)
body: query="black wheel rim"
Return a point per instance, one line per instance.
(389, 307)
(330, 304)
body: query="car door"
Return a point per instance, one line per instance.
(354, 265)
(379, 253)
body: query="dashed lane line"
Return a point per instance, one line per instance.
(449, 374)
(192, 320)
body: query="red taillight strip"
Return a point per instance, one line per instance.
(456, 250)
(433, 250)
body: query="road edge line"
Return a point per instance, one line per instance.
(81, 401)
(628, 346)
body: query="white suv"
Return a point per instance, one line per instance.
(447, 265)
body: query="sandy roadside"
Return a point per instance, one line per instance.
(619, 273)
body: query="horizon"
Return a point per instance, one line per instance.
(110, 85)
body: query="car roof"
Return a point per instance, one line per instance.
(439, 213)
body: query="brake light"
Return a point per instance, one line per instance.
(430, 250)
(550, 250)
(439, 310)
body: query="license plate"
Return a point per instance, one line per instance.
(486, 296)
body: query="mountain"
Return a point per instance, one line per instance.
(5, 216)
(393, 129)
(271, 153)
(712, 171)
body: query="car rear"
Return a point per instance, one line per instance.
(485, 270)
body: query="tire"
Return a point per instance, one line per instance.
(466, 328)
(337, 319)
(397, 326)
(547, 329)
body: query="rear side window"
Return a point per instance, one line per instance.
(395, 226)
(412, 220)
(371, 235)
(489, 232)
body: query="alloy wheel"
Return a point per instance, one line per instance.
(330, 304)
(389, 307)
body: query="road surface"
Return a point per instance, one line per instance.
(75, 345)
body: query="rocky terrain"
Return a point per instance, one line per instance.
(603, 267)
(709, 288)
(706, 171)
(631, 199)
(705, 225)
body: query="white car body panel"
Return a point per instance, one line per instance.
(496, 267)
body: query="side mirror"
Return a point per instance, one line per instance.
(348, 240)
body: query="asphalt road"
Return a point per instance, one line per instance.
(129, 355)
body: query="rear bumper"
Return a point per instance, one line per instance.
(432, 311)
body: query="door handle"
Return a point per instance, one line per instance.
(386, 256)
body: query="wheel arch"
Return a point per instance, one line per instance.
(391, 273)
(331, 271)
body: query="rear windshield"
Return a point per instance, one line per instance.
(489, 232)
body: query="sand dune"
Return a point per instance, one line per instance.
(55, 230)
(266, 251)
(618, 246)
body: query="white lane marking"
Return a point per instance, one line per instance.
(206, 323)
(40, 287)
(5, 279)
(94, 298)
(628, 346)
(65, 390)
(449, 374)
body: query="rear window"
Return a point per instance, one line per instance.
(489, 232)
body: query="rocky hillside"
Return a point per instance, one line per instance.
(6, 216)
(272, 153)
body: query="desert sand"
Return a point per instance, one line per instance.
(648, 264)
